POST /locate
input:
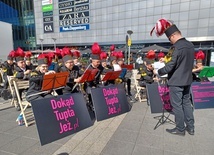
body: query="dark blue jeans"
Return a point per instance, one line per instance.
(182, 107)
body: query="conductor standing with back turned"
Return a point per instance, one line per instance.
(179, 70)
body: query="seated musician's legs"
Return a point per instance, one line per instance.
(37, 97)
(90, 103)
(21, 92)
(143, 91)
(89, 99)
(32, 98)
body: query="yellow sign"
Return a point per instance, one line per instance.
(129, 42)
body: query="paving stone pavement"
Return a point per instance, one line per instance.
(128, 134)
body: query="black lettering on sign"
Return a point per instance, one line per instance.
(74, 15)
(48, 27)
(49, 13)
(81, 8)
(67, 10)
(47, 19)
(66, 4)
(78, 2)
(74, 22)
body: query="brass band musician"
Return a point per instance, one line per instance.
(36, 79)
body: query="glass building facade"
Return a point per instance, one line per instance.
(77, 22)
(20, 13)
(83, 22)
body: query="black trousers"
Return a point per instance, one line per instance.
(182, 107)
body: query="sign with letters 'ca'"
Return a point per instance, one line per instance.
(60, 116)
(158, 96)
(109, 101)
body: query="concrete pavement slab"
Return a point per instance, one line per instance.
(6, 138)
(19, 145)
(118, 148)
(140, 150)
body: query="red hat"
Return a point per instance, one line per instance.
(11, 55)
(161, 55)
(151, 54)
(113, 56)
(95, 51)
(120, 56)
(28, 55)
(103, 56)
(200, 56)
(112, 48)
(19, 54)
(76, 54)
(66, 54)
(51, 56)
(164, 26)
(43, 59)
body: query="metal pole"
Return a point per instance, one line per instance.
(129, 55)
(41, 44)
(126, 52)
(54, 39)
(129, 44)
(54, 46)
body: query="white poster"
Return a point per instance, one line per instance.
(47, 2)
(212, 59)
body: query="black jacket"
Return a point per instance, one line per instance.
(179, 69)
(7, 68)
(73, 74)
(35, 85)
(19, 73)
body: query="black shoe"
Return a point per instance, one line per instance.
(190, 131)
(175, 131)
(129, 94)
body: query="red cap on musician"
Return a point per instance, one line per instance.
(95, 51)
(120, 56)
(200, 56)
(28, 55)
(11, 55)
(66, 54)
(161, 55)
(43, 59)
(19, 55)
(76, 54)
(103, 56)
(164, 26)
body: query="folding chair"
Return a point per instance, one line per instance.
(2, 78)
(26, 112)
(12, 90)
(136, 85)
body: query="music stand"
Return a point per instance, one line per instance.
(112, 75)
(93, 74)
(163, 118)
(54, 81)
(207, 72)
(87, 76)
